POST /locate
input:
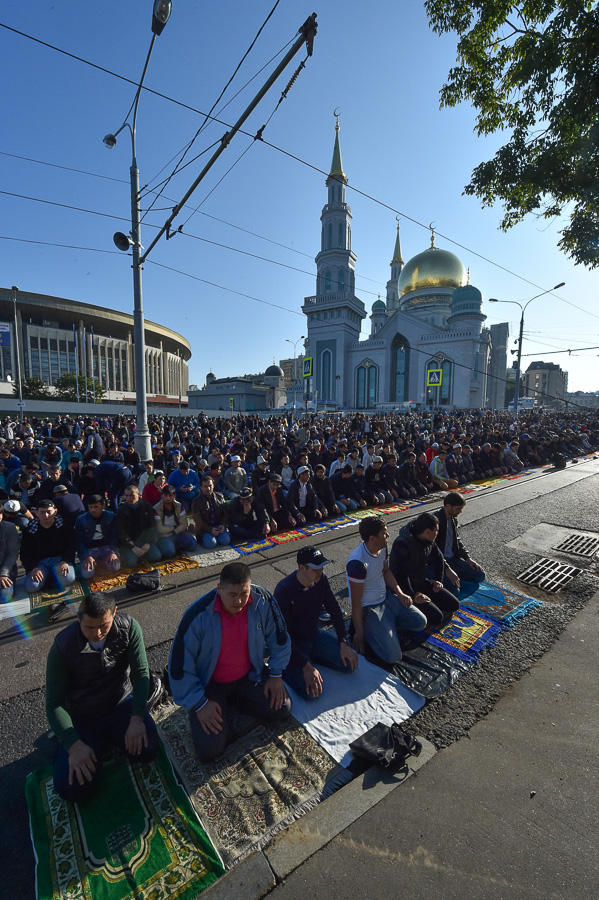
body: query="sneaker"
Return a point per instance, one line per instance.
(56, 611)
(324, 616)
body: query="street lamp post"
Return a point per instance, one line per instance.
(520, 334)
(15, 291)
(160, 16)
(295, 343)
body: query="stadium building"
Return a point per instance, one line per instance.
(58, 336)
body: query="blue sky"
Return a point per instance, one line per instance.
(380, 64)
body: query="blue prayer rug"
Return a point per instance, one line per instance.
(248, 547)
(466, 635)
(497, 603)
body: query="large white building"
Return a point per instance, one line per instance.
(431, 320)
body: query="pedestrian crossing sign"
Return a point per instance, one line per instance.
(434, 377)
(231, 402)
(307, 367)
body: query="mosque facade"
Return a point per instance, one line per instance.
(428, 343)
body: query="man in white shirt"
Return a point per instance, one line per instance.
(379, 606)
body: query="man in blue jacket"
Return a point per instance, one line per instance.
(219, 651)
(96, 539)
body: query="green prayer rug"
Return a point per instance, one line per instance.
(264, 780)
(69, 594)
(137, 836)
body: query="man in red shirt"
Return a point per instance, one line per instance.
(218, 653)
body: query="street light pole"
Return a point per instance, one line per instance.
(295, 343)
(520, 335)
(15, 291)
(143, 445)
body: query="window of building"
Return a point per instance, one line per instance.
(366, 386)
(327, 281)
(400, 351)
(329, 236)
(340, 241)
(341, 279)
(326, 366)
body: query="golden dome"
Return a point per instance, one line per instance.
(433, 268)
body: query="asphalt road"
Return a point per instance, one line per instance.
(383, 846)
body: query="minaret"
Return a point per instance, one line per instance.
(335, 314)
(396, 267)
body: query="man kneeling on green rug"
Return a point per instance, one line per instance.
(218, 655)
(97, 686)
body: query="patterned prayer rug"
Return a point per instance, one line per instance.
(263, 782)
(394, 508)
(70, 594)
(497, 603)
(428, 670)
(166, 567)
(364, 513)
(247, 547)
(137, 837)
(340, 522)
(314, 528)
(465, 636)
(283, 537)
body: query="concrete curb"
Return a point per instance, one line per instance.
(259, 873)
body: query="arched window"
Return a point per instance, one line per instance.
(366, 385)
(329, 236)
(340, 241)
(441, 395)
(352, 280)
(326, 367)
(341, 279)
(400, 357)
(327, 281)
(446, 385)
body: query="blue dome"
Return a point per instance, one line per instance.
(379, 306)
(466, 301)
(274, 372)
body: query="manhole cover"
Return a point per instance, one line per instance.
(549, 575)
(581, 544)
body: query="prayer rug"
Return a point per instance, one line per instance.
(261, 783)
(350, 704)
(283, 537)
(394, 508)
(70, 594)
(137, 837)
(314, 528)
(247, 547)
(466, 635)
(220, 555)
(339, 522)
(428, 670)
(166, 567)
(364, 513)
(497, 603)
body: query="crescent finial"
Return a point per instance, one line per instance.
(336, 114)
(432, 228)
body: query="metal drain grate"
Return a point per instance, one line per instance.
(549, 575)
(581, 544)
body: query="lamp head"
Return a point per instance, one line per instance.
(110, 141)
(491, 299)
(160, 15)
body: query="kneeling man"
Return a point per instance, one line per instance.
(302, 597)
(218, 654)
(97, 685)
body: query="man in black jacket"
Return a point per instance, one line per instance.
(301, 498)
(346, 496)
(248, 520)
(449, 543)
(48, 548)
(322, 487)
(136, 530)
(271, 497)
(414, 550)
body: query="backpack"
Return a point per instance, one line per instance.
(385, 745)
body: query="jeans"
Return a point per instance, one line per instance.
(169, 544)
(209, 541)
(381, 623)
(49, 566)
(99, 554)
(251, 700)
(324, 649)
(463, 571)
(97, 733)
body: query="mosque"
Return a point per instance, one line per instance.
(428, 343)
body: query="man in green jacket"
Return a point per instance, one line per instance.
(97, 685)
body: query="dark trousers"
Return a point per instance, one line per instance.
(442, 606)
(463, 571)
(250, 698)
(246, 534)
(98, 733)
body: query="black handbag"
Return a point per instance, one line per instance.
(385, 745)
(144, 582)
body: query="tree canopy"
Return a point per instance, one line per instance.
(32, 389)
(532, 68)
(89, 391)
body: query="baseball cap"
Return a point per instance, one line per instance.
(60, 489)
(245, 493)
(302, 469)
(260, 460)
(311, 557)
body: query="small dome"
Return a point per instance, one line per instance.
(378, 306)
(210, 377)
(433, 268)
(274, 372)
(466, 300)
